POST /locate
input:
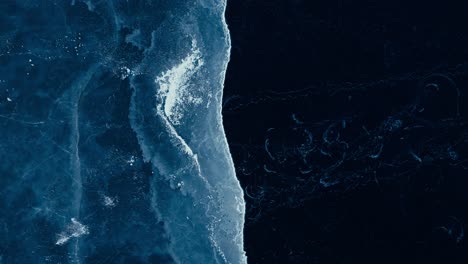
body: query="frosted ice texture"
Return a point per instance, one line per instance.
(112, 144)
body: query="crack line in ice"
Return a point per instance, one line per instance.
(185, 147)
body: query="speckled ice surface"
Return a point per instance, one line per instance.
(112, 144)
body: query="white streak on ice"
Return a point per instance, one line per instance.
(173, 91)
(75, 229)
(178, 140)
(174, 82)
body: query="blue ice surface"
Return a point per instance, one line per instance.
(112, 144)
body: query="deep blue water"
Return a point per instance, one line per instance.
(347, 121)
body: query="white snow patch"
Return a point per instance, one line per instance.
(131, 161)
(74, 229)
(174, 85)
(109, 201)
(125, 72)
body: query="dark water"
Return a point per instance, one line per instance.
(347, 121)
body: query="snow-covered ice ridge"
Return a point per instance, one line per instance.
(176, 99)
(195, 193)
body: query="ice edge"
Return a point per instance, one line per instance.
(220, 116)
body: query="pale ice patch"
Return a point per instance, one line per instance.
(131, 160)
(109, 201)
(125, 72)
(74, 229)
(174, 84)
